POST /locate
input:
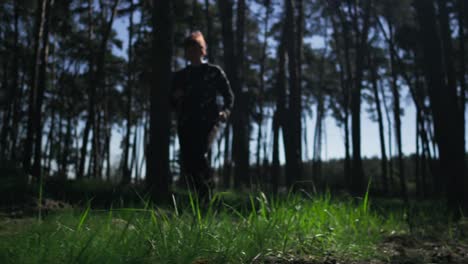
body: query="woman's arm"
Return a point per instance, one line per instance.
(224, 87)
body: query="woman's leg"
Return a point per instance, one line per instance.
(195, 139)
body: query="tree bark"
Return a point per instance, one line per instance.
(126, 172)
(278, 117)
(230, 66)
(357, 181)
(396, 113)
(34, 92)
(293, 136)
(383, 152)
(444, 102)
(158, 174)
(345, 80)
(240, 115)
(262, 89)
(462, 70)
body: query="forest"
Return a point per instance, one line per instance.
(90, 156)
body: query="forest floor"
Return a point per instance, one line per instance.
(395, 249)
(297, 229)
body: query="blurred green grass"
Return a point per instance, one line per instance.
(230, 229)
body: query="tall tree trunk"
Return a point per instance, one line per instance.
(297, 96)
(346, 86)
(50, 140)
(462, 69)
(278, 117)
(42, 83)
(417, 162)
(32, 107)
(383, 152)
(133, 159)
(396, 114)
(357, 182)
(444, 102)
(240, 115)
(107, 140)
(157, 164)
(318, 139)
(226, 13)
(145, 146)
(293, 136)
(91, 93)
(16, 88)
(319, 130)
(96, 78)
(389, 137)
(126, 172)
(262, 89)
(276, 169)
(6, 112)
(63, 168)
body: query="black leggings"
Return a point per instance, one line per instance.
(195, 141)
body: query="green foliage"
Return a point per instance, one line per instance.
(223, 232)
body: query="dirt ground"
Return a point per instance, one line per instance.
(396, 250)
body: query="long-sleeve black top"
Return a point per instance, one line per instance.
(198, 87)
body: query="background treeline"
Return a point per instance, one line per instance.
(65, 91)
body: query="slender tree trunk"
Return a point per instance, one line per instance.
(275, 172)
(262, 89)
(318, 135)
(357, 183)
(91, 93)
(158, 173)
(344, 82)
(42, 83)
(346, 88)
(6, 113)
(294, 124)
(134, 151)
(13, 107)
(462, 70)
(126, 172)
(444, 102)
(66, 150)
(107, 152)
(14, 88)
(32, 107)
(145, 147)
(424, 165)
(430, 159)
(278, 117)
(397, 115)
(383, 152)
(317, 154)
(389, 137)
(96, 78)
(240, 115)
(226, 13)
(50, 140)
(417, 170)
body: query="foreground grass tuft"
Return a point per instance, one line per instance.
(225, 232)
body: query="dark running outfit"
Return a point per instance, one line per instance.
(197, 118)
